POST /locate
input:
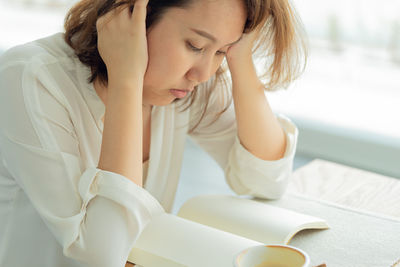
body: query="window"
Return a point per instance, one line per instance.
(347, 102)
(22, 21)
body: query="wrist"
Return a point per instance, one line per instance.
(240, 63)
(242, 69)
(238, 57)
(131, 83)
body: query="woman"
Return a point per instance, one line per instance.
(93, 120)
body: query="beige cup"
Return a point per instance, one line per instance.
(272, 256)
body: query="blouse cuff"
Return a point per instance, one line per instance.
(118, 188)
(248, 174)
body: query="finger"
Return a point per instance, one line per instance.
(104, 20)
(119, 13)
(139, 11)
(110, 15)
(125, 13)
(121, 10)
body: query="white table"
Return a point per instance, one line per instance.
(362, 208)
(348, 186)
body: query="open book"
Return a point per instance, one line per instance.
(210, 230)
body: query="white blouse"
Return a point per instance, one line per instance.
(56, 207)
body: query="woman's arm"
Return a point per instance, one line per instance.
(121, 149)
(258, 129)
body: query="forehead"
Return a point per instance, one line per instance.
(222, 18)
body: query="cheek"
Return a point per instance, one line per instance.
(167, 63)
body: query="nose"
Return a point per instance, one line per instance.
(202, 70)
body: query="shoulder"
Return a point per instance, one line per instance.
(47, 66)
(39, 53)
(49, 60)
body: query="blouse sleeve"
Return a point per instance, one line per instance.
(95, 215)
(245, 173)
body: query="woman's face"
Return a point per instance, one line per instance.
(174, 63)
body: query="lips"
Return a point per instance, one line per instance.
(179, 93)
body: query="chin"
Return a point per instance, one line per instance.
(164, 102)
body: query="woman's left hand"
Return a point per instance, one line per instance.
(242, 50)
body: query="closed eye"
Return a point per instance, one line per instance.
(199, 50)
(192, 47)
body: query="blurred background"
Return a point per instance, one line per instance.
(346, 105)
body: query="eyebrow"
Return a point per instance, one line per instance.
(210, 37)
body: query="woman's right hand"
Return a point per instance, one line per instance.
(122, 42)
